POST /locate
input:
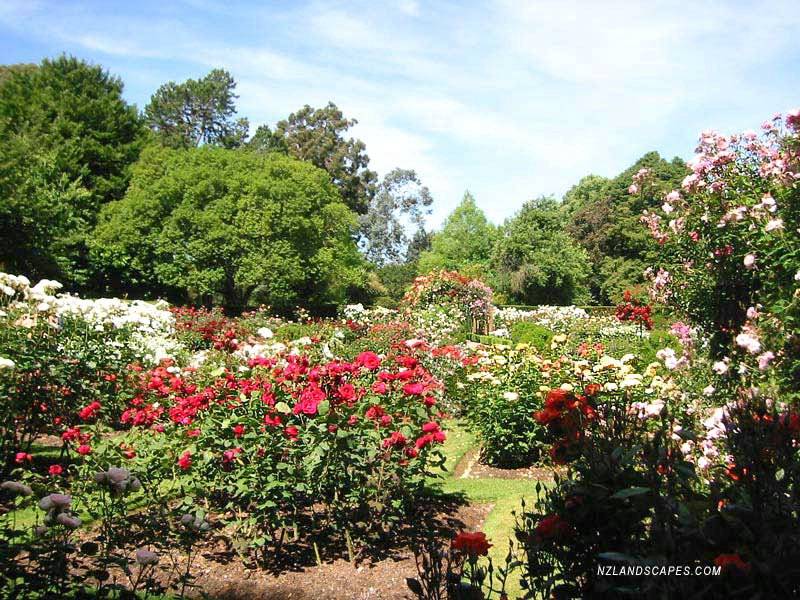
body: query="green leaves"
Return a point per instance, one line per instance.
(241, 226)
(630, 492)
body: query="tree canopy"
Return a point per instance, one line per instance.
(235, 226)
(464, 243)
(67, 140)
(536, 262)
(317, 135)
(604, 217)
(197, 112)
(400, 196)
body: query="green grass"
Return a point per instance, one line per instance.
(505, 496)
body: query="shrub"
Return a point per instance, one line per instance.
(524, 332)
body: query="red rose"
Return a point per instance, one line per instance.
(413, 389)
(395, 440)
(292, 432)
(732, 561)
(238, 431)
(22, 457)
(84, 449)
(473, 544)
(310, 399)
(228, 456)
(185, 461)
(272, 421)
(346, 392)
(368, 360)
(89, 411)
(374, 412)
(55, 470)
(552, 527)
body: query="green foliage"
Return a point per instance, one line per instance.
(523, 332)
(67, 139)
(397, 278)
(316, 135)
(464, 243)
(238, 226)
(603, 217)
(197, 112)
(535, 262)
(501, 410)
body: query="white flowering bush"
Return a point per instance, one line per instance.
(556, 318)
(366, 317)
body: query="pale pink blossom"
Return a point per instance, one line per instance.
(774, 224)
(749, 342)
(765, 359)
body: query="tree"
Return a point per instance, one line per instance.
(603, 217)
(67, 140)
(383, 233)
(464, 243)
(536, 262)
(316, 135)
(235, 226)
(419, 243)
(197, 112)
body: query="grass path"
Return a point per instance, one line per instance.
(504, 494)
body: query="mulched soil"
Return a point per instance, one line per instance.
(471, 467)
(381, 574)
(337, 580)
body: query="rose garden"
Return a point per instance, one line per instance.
(451, 446)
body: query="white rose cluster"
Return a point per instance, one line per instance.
(151, 323)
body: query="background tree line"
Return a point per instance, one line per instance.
(179, 200)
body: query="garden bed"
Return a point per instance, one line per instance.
(472, 467)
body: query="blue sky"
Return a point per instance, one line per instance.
(509, 99)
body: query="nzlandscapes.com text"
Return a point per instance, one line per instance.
(658, 570)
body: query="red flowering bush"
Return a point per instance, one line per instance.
(634, 496)
(635, 311)
(200, 328)
(62, 376)
(341, 447)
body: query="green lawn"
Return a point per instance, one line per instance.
(505, 495)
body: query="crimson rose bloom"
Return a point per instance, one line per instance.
(368, 360)
(185, 461)
(552, 527)
(473, 544)
(731, 561)
(55, 470)
(413, 389)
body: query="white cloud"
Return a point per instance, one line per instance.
(512, 100)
